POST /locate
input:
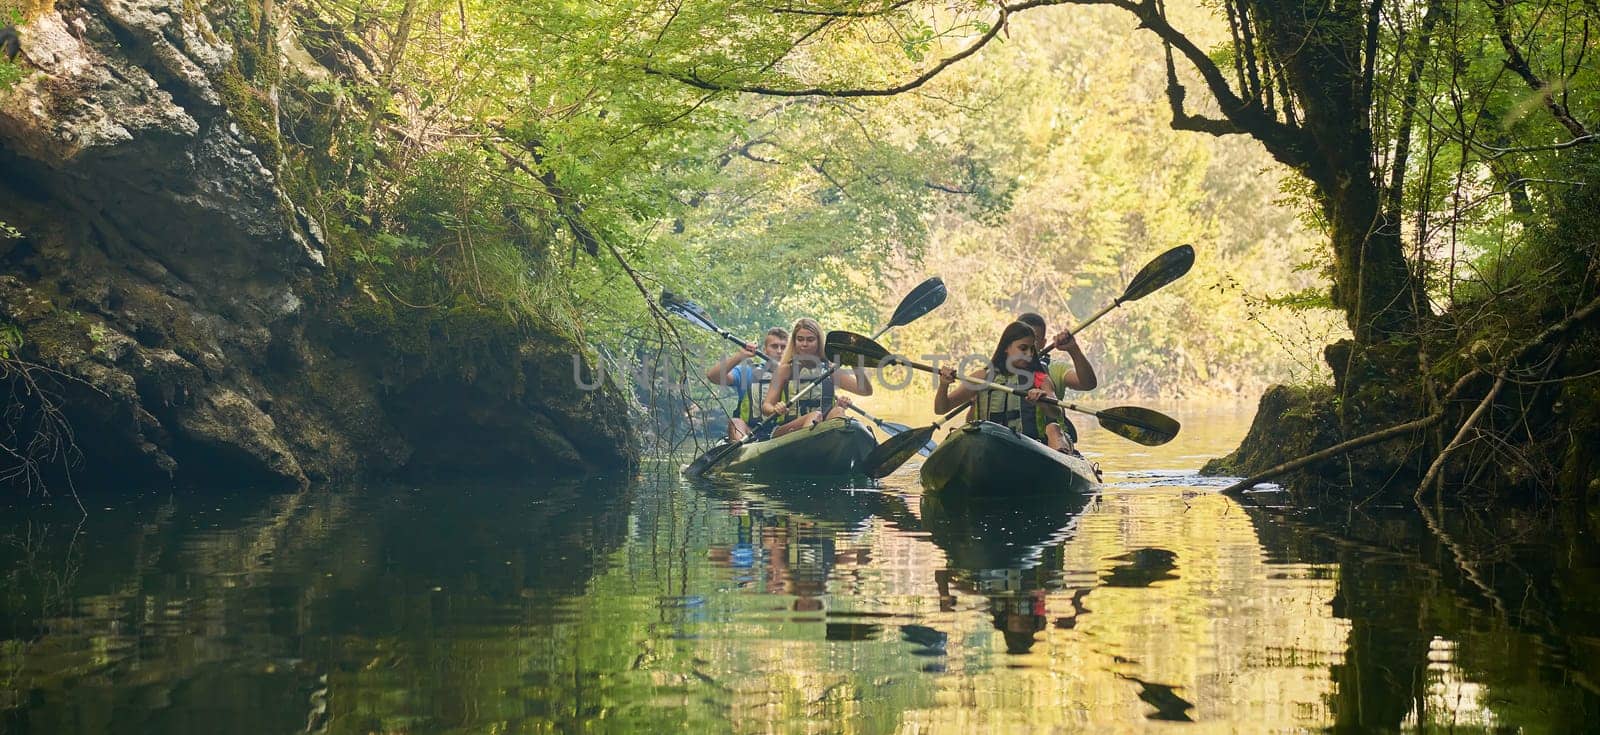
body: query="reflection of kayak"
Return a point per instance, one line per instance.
(833, 447)
(823, 501)
(980, 535)
(989, 460)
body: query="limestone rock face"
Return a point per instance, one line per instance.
(172, 303)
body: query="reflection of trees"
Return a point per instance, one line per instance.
(571, 608)
(313, 610)
(1446, 624)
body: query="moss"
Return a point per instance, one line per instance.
(55, 336)
(252, 110)
(141, 306)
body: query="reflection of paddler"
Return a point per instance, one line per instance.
(1016, 600)
(1018, 618)
(799, 555)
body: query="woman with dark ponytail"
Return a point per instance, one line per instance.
(1012, 364)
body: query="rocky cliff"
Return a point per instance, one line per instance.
(167, 307)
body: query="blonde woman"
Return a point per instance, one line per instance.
(802, 362)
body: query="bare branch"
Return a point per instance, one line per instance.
(694, 80)
(1498, 152)
(1432, 474)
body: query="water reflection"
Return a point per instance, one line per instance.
(662, 605)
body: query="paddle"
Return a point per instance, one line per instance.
(1164, 269)
(893, 429)
(926, 297)
(1139, 424)
(696, 315)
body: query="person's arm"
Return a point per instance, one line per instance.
(780, 380)
(1082, 376)
(855, 380)
(948, 397)
(722, 372)
(1050, 411)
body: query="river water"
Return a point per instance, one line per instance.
(655, 604)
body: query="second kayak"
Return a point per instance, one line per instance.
(986, 459)
(832, 447)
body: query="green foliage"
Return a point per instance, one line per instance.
(10, 74)
(10, 340)
(10, 71)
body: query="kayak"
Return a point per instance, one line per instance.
(832, 447)
(987, 459)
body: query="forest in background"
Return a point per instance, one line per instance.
(530, 157)
(564, 162)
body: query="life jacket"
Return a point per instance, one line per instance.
(1007, 408)
(755, 391)
(817, 399)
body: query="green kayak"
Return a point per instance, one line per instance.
(833, 447)
(986, 459)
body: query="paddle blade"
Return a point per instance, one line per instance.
(854, 349)
(1142, 425)
(1166, 268)
(891, 428)
(888, 456)
(926, 297)
(689, 310)
(713, 457)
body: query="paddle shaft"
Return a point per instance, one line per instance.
(874, 419)
(991, 385)
(818, 380)
(1046, 350)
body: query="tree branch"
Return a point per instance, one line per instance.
(1515, 62)
(694, 80)
(1182, 120)
(570, 210)
(1461, 435)
(1284, 142)
(845, 13)
(1575, 142)
(1334, 451)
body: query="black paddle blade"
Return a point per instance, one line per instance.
(891, 428)
(888, 456)
(711, 458)
(854, 349)
(926, 297)
(688, 310)
(1142, 425)
(1166, 268)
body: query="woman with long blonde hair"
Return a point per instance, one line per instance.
(803, 362)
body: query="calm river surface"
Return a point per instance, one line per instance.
(659, 605)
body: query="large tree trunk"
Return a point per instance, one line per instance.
(1322, 56)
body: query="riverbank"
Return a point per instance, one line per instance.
(172, 308)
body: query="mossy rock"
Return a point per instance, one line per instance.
(1290, 422)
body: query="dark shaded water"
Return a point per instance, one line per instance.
(657, 605)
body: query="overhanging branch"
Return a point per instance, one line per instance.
(695, 80)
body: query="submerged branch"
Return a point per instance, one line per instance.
(1549, 335)
(1336, 450)
(1432, 474)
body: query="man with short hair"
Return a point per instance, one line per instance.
(750, 381)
